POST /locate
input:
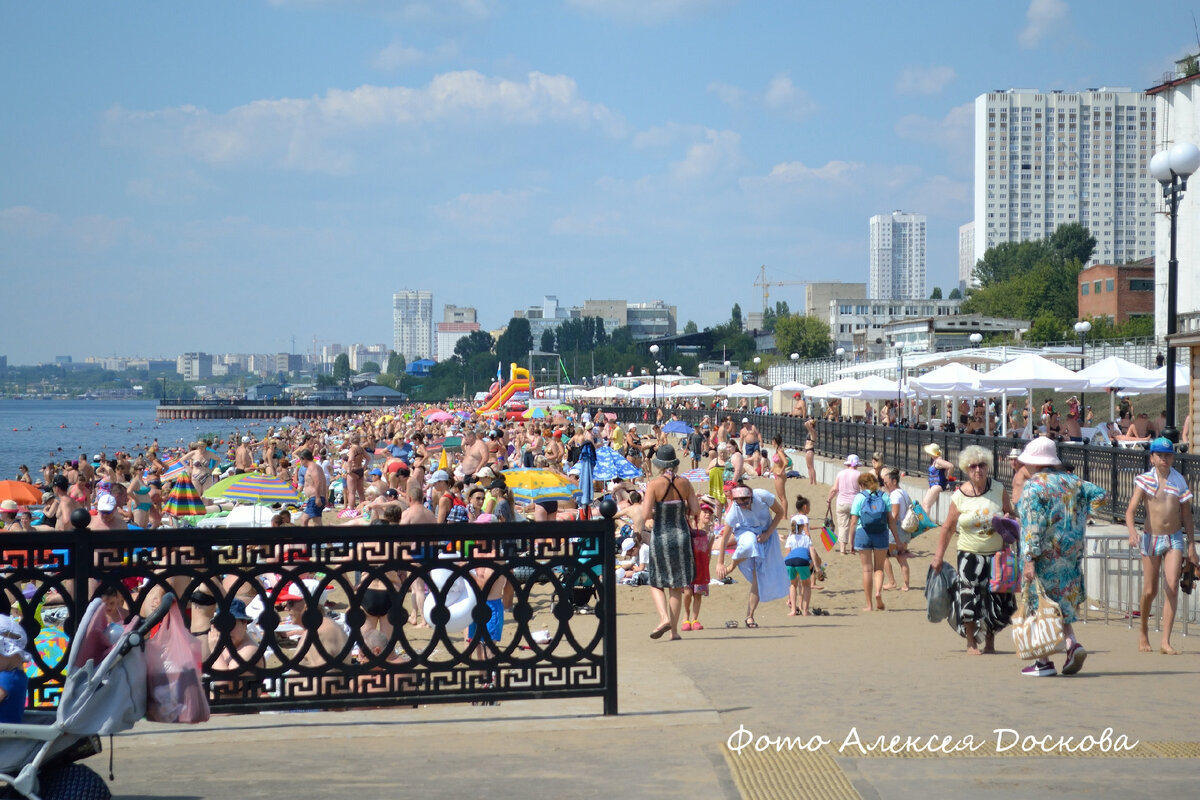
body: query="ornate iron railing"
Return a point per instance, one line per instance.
(315, 657)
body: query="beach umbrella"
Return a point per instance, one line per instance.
(643, 392)
(610, 464)
(744, 390)
(949, 380)
(690, 390)
(832, 389)
(218, 488)
(254, 487)
(606, 393)
(677, 426)
(21, 493)
(184, 500)
(439, 416)
(1117, 373)
(563, 407)
(534, 413)
(532, 484)
(790, 386)
(875, 387)
(587, 470)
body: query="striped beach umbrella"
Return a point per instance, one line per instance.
(254, 487)
(184, 500)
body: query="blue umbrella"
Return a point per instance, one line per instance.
(587, 464)
(611, 464)
(677, 426)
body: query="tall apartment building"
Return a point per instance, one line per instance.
(412, 324)
(1044, 159)
(897, 256)
(1178, 106)
(966, 256)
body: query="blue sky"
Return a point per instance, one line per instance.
(224, 176)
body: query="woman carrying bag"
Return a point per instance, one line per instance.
(1054, 508)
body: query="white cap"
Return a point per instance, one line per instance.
(627, 545)
(106, 503)
(245, 439)
(745, 419)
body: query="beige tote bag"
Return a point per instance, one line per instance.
(1039, 635)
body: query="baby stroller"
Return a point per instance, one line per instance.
(37, 757)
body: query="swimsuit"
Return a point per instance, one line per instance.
(1153, 545)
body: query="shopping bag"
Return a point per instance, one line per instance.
(1039, 635)
(1005, 579)
(924, 523)
(173, 673)
(939, 592)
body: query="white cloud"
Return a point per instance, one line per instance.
(418, 10)
(955, 130)
(396, 55)
(306, 133)
(924, 80)
(728, 94)
(666, 135)
(941, 196)
(646, 12)
(603, 223)
(720, 150)
(486, 215)
(783, 97)
(1042, 18)
(26, 221)
(797, 172)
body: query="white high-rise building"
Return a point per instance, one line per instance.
(1044, 159)
(966, 257)
(412, 325)
(897, 256)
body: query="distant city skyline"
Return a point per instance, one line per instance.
(202, 182)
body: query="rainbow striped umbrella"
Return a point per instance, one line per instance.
(532, 484)
(184, 500)
(254, 487)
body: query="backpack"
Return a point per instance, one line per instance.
(873, 515)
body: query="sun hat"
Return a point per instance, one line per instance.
(13, 638)
(1162, 445)
(237, 610)
(631, 426)
(665, 458)
(9, 506)
(933, 449)
(1041, 452)
(1014, 453)
(852, 460)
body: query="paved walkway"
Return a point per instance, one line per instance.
(877, 674)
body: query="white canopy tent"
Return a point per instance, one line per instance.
(691, 390)
(606, 393)
(874, 387)
(1030, 372)
(744, 390)
(832, 389)
(645, 391)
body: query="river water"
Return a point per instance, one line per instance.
(54, 430)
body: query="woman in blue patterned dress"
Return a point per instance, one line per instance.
(1054, 508)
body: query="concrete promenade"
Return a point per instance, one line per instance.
(836, 676)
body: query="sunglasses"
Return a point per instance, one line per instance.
(980, 465)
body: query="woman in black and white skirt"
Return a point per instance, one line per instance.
(670, 501)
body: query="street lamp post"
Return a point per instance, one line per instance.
(976, 339)
(1081, 329)
(899, 381)
(1171, 168)
(727, 381)
(654, 391)
(757, 361)
(795, 357)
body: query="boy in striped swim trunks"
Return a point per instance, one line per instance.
(1169, 529)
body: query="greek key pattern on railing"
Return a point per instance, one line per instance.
(329, 611)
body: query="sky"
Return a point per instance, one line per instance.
(231, 175)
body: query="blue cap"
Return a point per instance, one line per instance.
(1162, 445)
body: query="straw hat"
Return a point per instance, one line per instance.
(933, 449)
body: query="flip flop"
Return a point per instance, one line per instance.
(751, 623)
(731, 623)
(660, 630)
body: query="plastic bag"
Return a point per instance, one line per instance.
(939, 590)
(173, 674)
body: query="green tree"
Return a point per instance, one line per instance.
(1046, 328)
(341, 368)
(955, 294)
(370, 366)
(690, 327)
(325, 381)
(1073, 242)
(1136, 327)
(472, 344)
(936, 294)
(735, 317)
(1010, 259)
(516, 341)
(547, 343)
(387, 380)
(808, 336)
(396, 365)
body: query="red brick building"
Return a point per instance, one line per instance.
(1117, 291)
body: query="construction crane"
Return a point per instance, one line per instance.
(765, 284)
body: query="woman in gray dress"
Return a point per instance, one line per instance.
(670, 501)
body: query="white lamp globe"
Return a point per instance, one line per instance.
(1185, 158)
(1160, 167)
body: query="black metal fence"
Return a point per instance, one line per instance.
(354, 647)
(1114, 468)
